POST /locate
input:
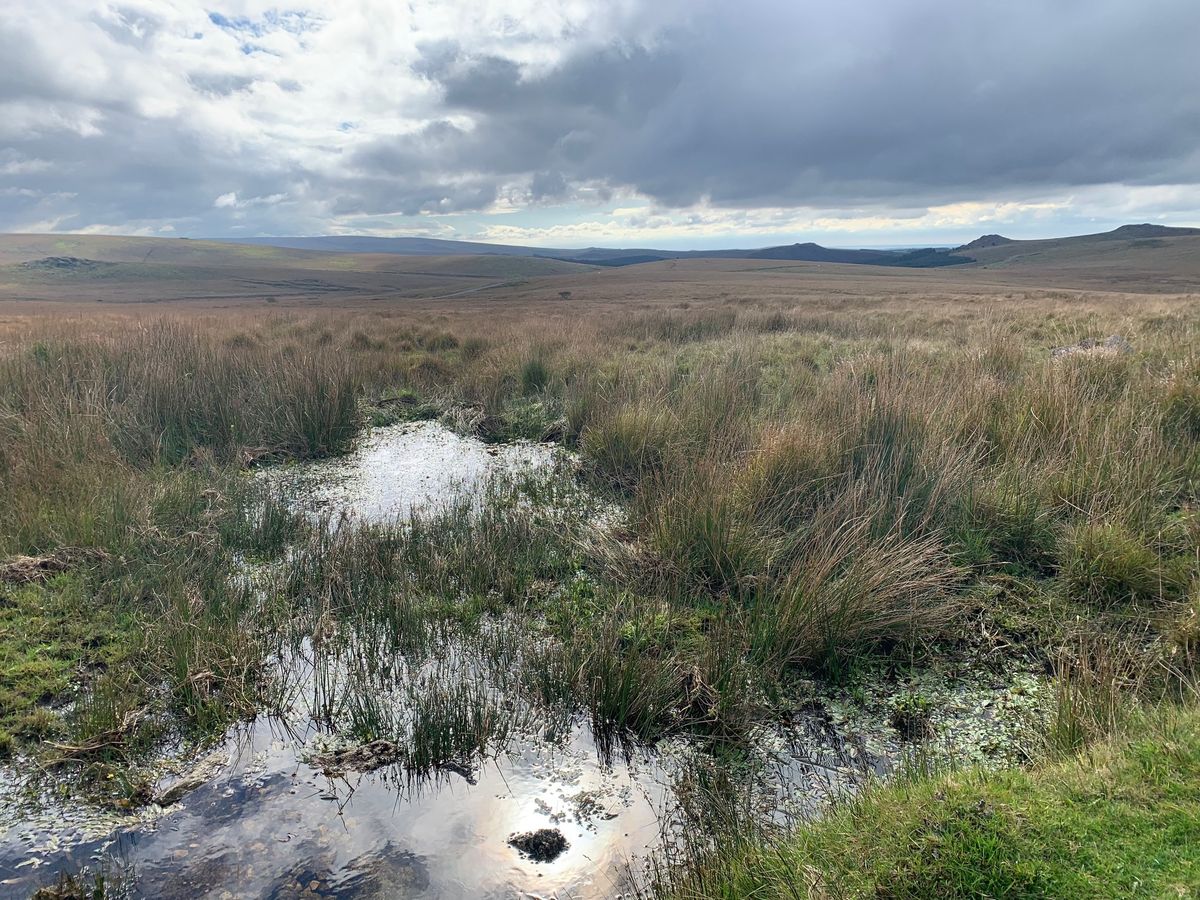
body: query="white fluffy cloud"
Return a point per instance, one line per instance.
(534, 120)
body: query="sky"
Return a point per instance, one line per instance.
(651, 123)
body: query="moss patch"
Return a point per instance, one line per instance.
(50, 634)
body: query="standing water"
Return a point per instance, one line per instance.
(277, 812)
(403, 467)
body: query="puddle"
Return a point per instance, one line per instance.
(275, 823)
(272, 825)
(401, 467)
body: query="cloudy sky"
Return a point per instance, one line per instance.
(666, 123)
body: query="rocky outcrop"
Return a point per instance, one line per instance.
(62, 263)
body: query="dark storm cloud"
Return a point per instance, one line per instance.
(548, 186)
(763, 103)
(525, 126)
(129, 173)
(531, 123)
(768, 103)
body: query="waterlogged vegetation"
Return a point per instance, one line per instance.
(899, 533)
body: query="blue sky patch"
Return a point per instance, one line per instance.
(293, 21)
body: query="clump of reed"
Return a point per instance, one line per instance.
(82, 415)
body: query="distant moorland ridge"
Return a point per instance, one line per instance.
(799, 252)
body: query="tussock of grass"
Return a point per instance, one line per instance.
(850, 591)
(1107, 565)
(629, 446)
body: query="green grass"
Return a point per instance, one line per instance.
(1120, 820)
(1107, 565)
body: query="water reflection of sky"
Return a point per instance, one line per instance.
(273, 826)
(401, 467)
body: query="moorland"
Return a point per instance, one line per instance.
(778, 479)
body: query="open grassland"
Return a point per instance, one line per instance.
(57, 272)
(809, 475)
(60, 269)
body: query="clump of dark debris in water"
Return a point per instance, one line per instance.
(74, 887)
(543, 845)
(912, 716)
(376, 755)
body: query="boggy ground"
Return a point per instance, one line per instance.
(770, 499)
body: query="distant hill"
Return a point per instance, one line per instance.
(988, 240)
(1165, 256)
(151, 270)
(1131, 232)
(1124, 233)
(634, 259)
(925, 258)
(606, 256)
(71, 252)
(1143, 247)
(1137, 257)
(810, 252)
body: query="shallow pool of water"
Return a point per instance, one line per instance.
(270, 822)
(402, 467)
(272, 825)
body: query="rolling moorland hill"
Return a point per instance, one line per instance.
(21, 248)
(140, 269)
(994, 248)
(1132, 257)
(609, 256)
(90, 268)
(988, 250)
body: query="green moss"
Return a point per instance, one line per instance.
(49, 634)
(38, 724)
